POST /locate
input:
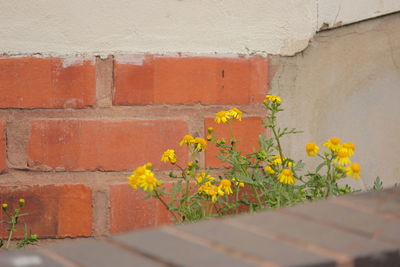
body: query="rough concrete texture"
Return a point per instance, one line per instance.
(346, 84)
(111, 26)
(335, 13)
(208, 26)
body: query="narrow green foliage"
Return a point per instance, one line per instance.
(11, 223)
(267, 178)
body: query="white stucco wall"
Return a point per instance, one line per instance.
(192, 26)
(340, 12)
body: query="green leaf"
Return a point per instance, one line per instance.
(320, 166)
(378, 184)
(246, 179)
(146, 197)
(299, 165)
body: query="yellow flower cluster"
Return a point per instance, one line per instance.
(342, 152)
(169, 156)
(213, 191)
(285, 176)
(272, 98)
(278, 161)
(225, 115)
(199, 143)
(204, 179)
(144, 178)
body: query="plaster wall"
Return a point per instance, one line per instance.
(341, 12)
(347, 84)
(56, 27)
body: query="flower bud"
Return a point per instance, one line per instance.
(210, 130)
(21, 202)
(221, 142)
(33, 236)
(4, 206)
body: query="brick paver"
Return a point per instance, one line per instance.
(357, 230)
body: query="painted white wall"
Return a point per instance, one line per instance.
(340, 12)
(166, 26)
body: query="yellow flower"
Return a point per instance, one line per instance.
(21, 202)
(213, 191)
(169, 156)
(277, 161)
(134, 181)
(225, 185)
(4, 206)
(290, 164)
(333, 144)
(187, 139)
(269, 170)
(238, 182)
(139, 174)
(236, 113)
(222, 116)
(209, 137)
(350, 148)
(342, 157)
(312, 149)
(353, 171)
(200, 144)
(203, 178)
(286, 177)
(273, 98)
(190, 163)
(148, 181)
(203, 189)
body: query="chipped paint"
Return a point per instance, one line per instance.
(74, 61)
(136, 59)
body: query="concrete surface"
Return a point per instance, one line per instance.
(170, 26)
(298, 236)
(347, 84)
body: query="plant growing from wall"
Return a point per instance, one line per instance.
(11, 223)
(266, 178)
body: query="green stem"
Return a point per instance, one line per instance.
(217, 210)
(166, 206)
(237, 200)
(279, 145)
(12, 228)
(257, 197)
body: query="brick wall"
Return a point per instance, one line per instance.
(72, 129)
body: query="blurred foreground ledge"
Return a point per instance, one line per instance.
(355, 230)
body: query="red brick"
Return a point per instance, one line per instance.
(246, 131)
(104, 145)
(189, 80)
(130, 212)
(54, 210)
(29, 82)
(3, 149)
